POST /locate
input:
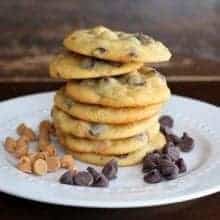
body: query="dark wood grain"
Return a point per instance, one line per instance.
(32, 31)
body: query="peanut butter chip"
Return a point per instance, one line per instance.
(50, 150)
(67, 161)
(20, 129)
(40, 155)
(40, 167)
(24, 167)
(25, 159)
(23, 130)
(24, 164)
(53, 164)
(21, 148)
(10, 145)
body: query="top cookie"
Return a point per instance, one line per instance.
(106, 44)
(75, 66)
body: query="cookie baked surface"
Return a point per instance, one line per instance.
(97, 131)
(123, 160)
(104, 147)
(75, 66)
(104, 43)
(95, 113)
(141, 88)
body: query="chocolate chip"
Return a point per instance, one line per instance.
(172, 151)
(83, 178)
(165, 130)
(87, 63)
(67, 177)
(181, 165)
(136, 80)
(99, 50)
(99, 179)
(148, 165)
(107, 80)
(96, 129)
(111, 63)
(164, 156)
(144, 39)
(141, 137)
(68, 102)
(122, 156)
(173, 138)
(166, 121)
(173, 174)
(153, 176)
(169, 135)
(115, 64)
(133, 53)
(110, 169)
(186, 143)
(94, 173)
(154, 157)
(168, 169)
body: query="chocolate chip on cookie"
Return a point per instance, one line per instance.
(144, 39)
(133, 53)
(96, 129)
(69, 102)
(87, 63)
(141, 137)
(99, 50)
(136, 80)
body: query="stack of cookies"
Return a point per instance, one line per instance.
(109, 107)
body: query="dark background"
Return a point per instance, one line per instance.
(31, 31)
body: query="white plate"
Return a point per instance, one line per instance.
(201, 120)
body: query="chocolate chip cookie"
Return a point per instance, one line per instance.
(125, 159)
(95, 113)
(97, 131)
(106, 44)
(134, 89)
(74, 66)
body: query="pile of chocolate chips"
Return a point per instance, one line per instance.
(167, 164)
(91, 177)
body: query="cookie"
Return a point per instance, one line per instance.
(103, 147)
(74, 66)
(106, 44)
(125, 159)
(95, 113)
(130, 90)
(97, 131)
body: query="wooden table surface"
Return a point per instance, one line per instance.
(32, 31)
